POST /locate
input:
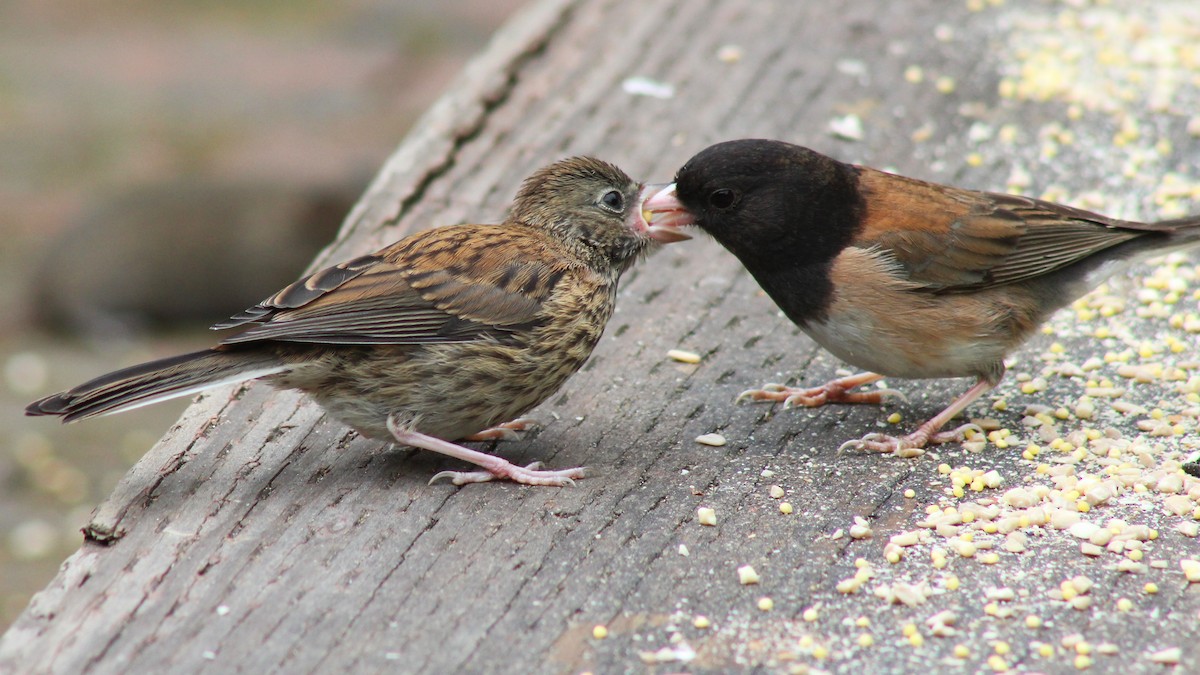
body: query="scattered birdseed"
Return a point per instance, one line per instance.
(776, 492)
(706, 515)
(1170, 656)
(747, 575)
(599, 632)
(715, 440)
(847, 127)
(785, 508)
(683, 356)
(701, 622)
(765, 604)
(645, 86)
(729, 54)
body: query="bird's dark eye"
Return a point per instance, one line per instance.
(721, 199)
(613, 200)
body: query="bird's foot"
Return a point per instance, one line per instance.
(912, 445)
(527, 475)
(493, 467)
(509, 431)
(834, 391)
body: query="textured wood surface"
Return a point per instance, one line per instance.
(258, 536)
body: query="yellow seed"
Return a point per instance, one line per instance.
(820, 652)
(766, 604)
(1083, 647)
(862, 622)
(962, 651)
(785, 508)
(1124, 605)
(1083, 662)
(952, 583)
(909, 629)
(599, 632)
(1150, 588)
(910, 493)
(1082, 506)
(1033, 621)
(866, 640)
(1003, 648)
(894, 418)
(1046, 650)
(996, 663)
(943, 469)
(701, 622)
(811, 614)
(916, 639)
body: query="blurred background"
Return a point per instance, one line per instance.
(164, 164)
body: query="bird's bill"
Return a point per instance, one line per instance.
(659, 230)
(665, 214)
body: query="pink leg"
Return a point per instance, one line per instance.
(509, 431)
(493, 467)
(927, 433)
(834, 391)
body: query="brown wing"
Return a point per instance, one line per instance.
(451, 284)
(947, 239)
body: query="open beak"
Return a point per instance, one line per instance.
(665, 215)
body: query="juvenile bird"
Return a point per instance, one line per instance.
(897, 276)
(446, 334)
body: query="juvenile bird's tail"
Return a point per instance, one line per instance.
(156, 381)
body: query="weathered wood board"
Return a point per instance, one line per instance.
(258, 536)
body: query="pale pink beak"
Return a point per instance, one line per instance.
(665, 215)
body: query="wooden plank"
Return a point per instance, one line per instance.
(259, 536)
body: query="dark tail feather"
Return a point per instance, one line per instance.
(156, 381)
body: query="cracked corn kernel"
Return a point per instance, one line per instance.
(747, 575)
(962, 652)
(866, 640)
(811, 614)
(1045, 650)
(766, 604)
(701, 622)
(916, 639)
(1150, 588)
(599, 632)
(1124, 605)
(706, 515)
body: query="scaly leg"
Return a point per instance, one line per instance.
(926, 434)
(834, 391)
(493, 467)
(509, 431)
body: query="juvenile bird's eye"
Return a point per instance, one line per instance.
(721, 199)
(613, 200)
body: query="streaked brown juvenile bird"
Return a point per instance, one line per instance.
(446, 334)
(897, 276)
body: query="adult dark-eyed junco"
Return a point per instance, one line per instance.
(897, 276)
(446, 334)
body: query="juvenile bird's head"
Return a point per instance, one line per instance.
(594, 208)
(764, 200)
